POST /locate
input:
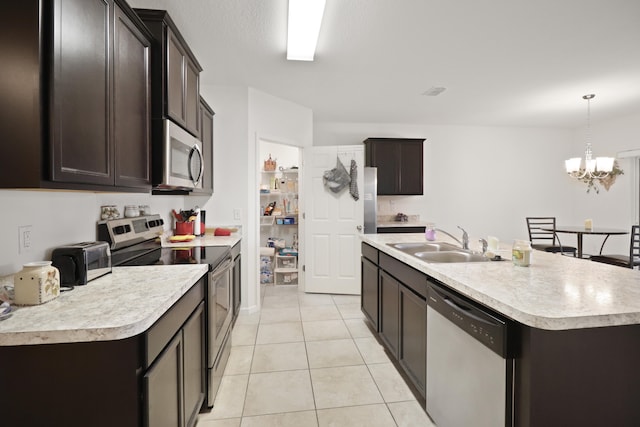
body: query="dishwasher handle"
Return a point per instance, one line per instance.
(465, 311)
(479, 322)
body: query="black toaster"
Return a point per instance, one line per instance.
(82, 262)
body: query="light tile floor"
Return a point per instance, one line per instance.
(309, 360)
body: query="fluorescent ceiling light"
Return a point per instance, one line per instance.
(305, 18)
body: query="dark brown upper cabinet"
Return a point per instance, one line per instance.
(175, 72)
(206, 136)
(76, 73)
(399, 162)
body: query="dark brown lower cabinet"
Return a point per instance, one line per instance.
(578, 377)
(369, 292)
(393, 298)
(163, 388)
(413, 337)
(390, 312)
(154, 379)
(193, 335)
(175, 383)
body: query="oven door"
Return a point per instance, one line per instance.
(183, 163)
(220, 313)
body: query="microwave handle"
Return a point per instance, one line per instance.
(197, 149)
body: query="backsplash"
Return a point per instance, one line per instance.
(62, 217)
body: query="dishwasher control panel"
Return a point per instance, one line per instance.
(485, 326)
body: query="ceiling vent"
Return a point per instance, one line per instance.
(434, 91)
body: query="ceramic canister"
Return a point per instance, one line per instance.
(37, 283)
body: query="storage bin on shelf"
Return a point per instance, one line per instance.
(266, 220)
(286, 261)
(288, 220)
(286, 267)
(286, 276)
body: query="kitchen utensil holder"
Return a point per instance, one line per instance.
(183, 228)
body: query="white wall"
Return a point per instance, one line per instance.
(61, 218)
(230, 152)
(275, 120)
(244, 116)
(489, 179)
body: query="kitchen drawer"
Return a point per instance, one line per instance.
(411, 278)
(157, 337)
(370, 253)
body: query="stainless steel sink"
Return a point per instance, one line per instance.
(424, 247)
(440, 252)
(450, 256)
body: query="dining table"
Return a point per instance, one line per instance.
(580, 231)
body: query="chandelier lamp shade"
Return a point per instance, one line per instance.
(600, 167)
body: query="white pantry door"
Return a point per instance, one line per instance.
(333, 223)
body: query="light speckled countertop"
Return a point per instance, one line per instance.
(206, 240)
(555, 292)
(115, 306)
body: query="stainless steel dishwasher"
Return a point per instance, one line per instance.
(468, 369)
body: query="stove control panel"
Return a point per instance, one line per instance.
(123, 232)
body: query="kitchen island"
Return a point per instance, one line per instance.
(576, 329)
(90, 356)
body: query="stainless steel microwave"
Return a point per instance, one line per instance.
(178, 161)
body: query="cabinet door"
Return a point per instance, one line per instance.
(163, 388)
(194, 365)
(384, 156)
(399, 163)
(410, 168)
(192, 97)
(370, 291)
(175, 79)
(132, 104)
(413, 337)
(80, 149)
(206, 136)
(237, 285)
(389, 312)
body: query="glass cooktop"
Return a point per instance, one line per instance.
(140, 256)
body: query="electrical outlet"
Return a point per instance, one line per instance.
(237, 214)
(25, 238)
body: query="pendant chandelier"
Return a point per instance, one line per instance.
(600, 167)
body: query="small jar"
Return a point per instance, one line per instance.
(144, 209)
(430, 232)
(131, 211)
(521, 253)
(37, 283)
(109, 212)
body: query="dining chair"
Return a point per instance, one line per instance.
(545, 240)
(630, 261)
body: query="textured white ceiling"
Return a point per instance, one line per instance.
(503, 62)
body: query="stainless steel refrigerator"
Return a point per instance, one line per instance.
(370, 200)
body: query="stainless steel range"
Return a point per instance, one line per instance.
(136, 242)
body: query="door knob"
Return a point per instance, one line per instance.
(359, 228)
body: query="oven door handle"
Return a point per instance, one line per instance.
(222, 268)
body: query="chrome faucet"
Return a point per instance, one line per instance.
(465, 237)
(485, 245)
